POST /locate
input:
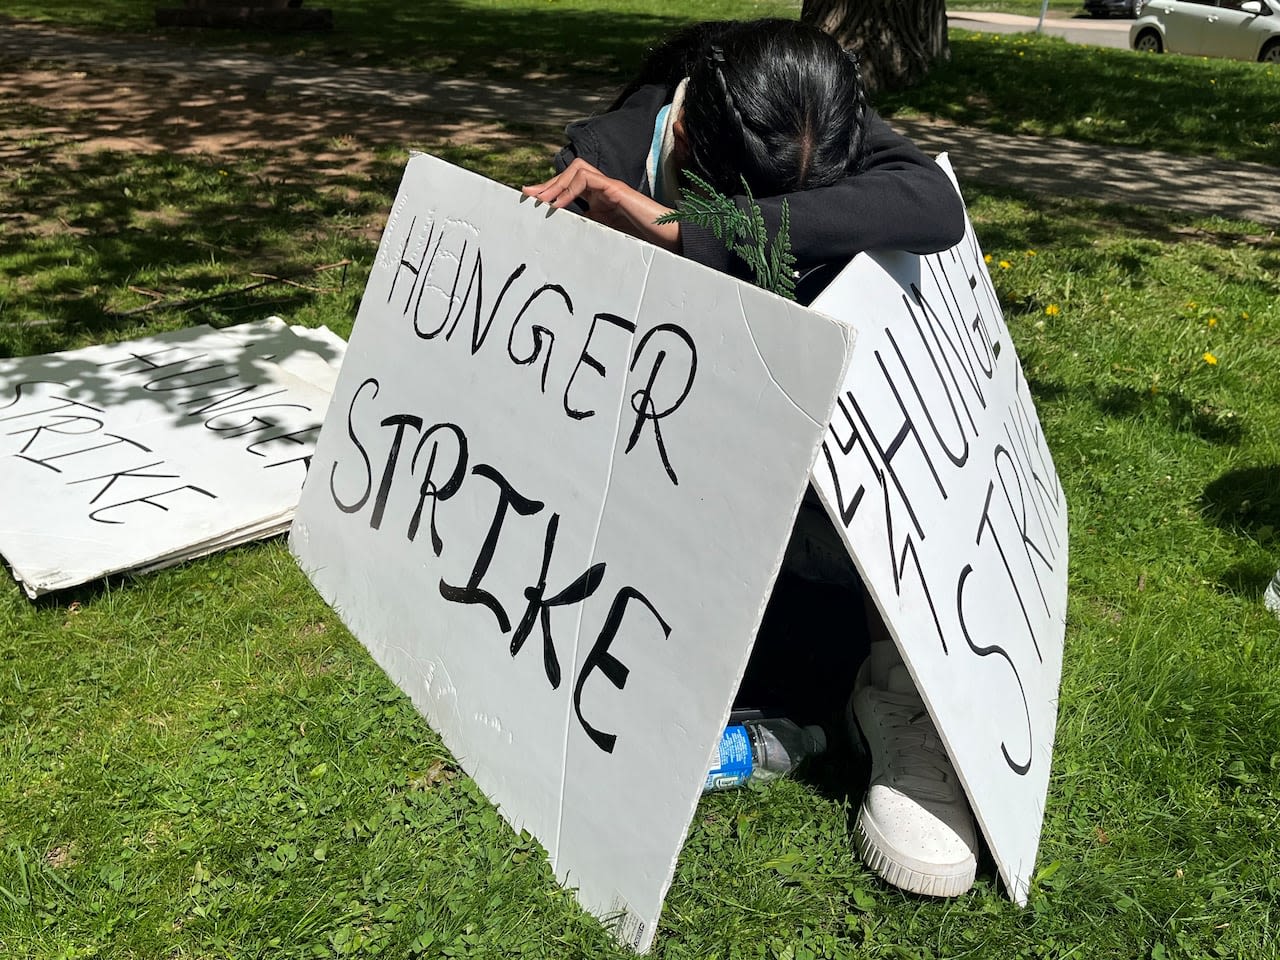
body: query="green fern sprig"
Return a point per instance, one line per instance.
(744, 232)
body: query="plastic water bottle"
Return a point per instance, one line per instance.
(761, 750)
(1271, 599)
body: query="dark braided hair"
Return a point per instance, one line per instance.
(778, 103)
(774, 101)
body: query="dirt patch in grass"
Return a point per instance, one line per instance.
(75, 112)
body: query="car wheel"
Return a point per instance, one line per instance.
(1148, 41)
(1270, 53)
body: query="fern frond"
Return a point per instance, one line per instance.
(743, 232)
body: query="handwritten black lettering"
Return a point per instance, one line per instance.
(1021, 768)
(114, 440)
(847, 508)
(591, 361)
(63, 403)
(539, 333)
(424, 285)
(508, 498)
(133, 473)
(163, 384)
(430, 488)
(405, 264)
(59, 428)
(479, 334)
(642, 401)
(1007, 472)
(959, 297)
(539, 609)
(150, 500)
(226, 401)
(957, 458)
(615, 671)
(300, 438)
(147, 363)
(399, 422)
(358, 504)
(985, 523)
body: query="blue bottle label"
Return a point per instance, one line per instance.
(735, 760)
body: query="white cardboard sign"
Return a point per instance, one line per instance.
(133, 455)
(936, 472)
(551, 497)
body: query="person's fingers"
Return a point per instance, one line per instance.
(566, 186)
(578, 183)
(545, 191)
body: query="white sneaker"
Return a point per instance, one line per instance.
(1271, 599)
(915, 828)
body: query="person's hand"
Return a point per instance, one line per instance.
(608, 201)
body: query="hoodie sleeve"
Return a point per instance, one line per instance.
(901, 200)
(616, 143)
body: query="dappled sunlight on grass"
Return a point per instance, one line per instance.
(114, 206)
(461, 37)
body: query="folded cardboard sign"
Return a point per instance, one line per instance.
(551, 497)
(936, 472)
(135, 455)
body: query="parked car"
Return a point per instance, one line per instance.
(1239, 29)
(1109, 8)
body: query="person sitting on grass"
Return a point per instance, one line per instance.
(779, 106)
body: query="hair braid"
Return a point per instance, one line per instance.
(860, 106)
(777, 103)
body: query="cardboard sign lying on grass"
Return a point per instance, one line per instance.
(135, 455)
(936, 472)
(551, 497)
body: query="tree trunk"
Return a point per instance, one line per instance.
(897, 40)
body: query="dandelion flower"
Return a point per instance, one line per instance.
(1210, 359)
(1052, 310)
(986, 258)
(1005, 264)
(1213, 322)
(1031, 253)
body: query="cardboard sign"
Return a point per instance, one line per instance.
(135, 455)
(936, 472)
(551, 497)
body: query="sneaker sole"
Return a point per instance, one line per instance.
(942, 880)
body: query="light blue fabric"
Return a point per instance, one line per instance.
(653, 168)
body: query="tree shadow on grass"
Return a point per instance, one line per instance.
(1015, 85)
(1246, 502)
(461, 39)
(124, 192)
(1080, 222)
(1182, 413)
(106, 233)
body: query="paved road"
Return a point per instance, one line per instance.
(1200, 186)
(1081, 29)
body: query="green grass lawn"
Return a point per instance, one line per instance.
(203, 763)
(1044, 86)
